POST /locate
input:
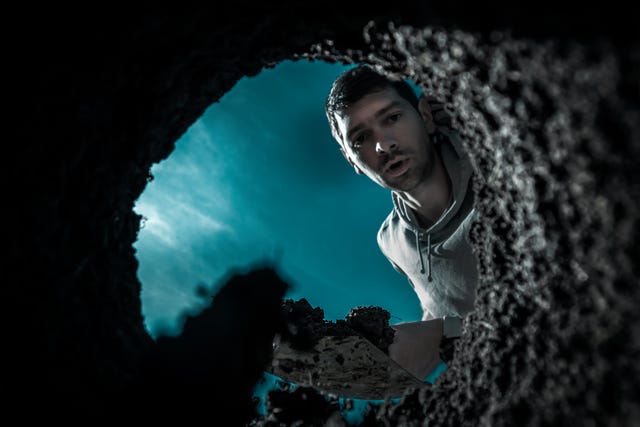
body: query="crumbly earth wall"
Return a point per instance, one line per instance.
(546, 101)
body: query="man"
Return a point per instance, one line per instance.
(388, 134)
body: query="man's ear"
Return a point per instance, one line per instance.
(346, 156)
(425, 112)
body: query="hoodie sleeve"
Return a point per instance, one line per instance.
(426, 314)
(399, 270)
(382, 229)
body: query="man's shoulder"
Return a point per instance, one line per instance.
(387, 226)
(387, 221)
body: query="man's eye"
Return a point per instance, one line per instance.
(359, 140)
(393, 118)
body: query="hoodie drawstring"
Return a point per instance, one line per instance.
(428, 254)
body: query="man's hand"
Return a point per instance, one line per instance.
(416, 346)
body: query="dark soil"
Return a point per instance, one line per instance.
(305, 325)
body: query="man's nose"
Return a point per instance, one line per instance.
(385, 146)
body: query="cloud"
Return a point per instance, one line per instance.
(174, 223)
(154, 225)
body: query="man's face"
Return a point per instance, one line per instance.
(385, 138)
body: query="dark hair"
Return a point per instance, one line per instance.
(353, 84)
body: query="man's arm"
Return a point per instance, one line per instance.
(418, 346)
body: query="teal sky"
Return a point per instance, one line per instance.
(258, 178)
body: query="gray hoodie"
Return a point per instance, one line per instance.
(438, 262)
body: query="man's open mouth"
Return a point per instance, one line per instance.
(397, 167)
